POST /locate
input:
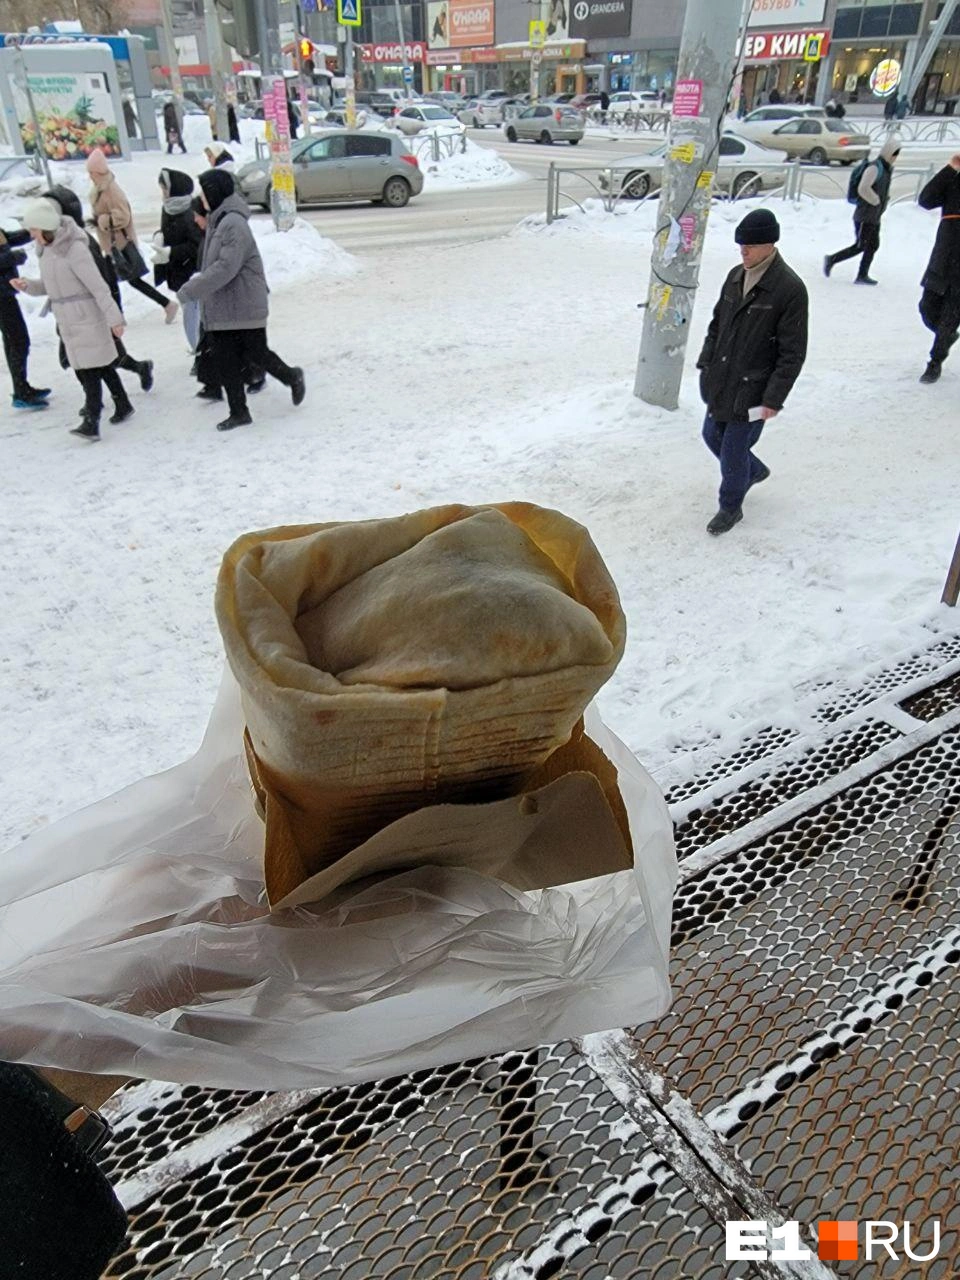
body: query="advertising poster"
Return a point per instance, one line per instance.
(74, 112)
(786, 13)
(460, 24)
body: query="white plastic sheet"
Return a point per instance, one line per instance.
(135, 940)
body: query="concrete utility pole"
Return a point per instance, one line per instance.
(407, 66)
(349, 80)
(219, 67)
(173, 61)
(273, 91)
(705, 75)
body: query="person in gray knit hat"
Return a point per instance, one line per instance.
(753, 353)
(872, 197)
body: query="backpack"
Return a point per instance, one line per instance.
(854, 184)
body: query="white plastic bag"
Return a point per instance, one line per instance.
(135, 940)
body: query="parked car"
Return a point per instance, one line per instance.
(447, 98)
(814, 138)
(584, 101)
(377, 100)
(479, 112)
(544, 123)
(782, 111)
(412, 120)
(644, 103)
(335, 166)
(738, 169)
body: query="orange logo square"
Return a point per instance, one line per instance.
(837, 1241)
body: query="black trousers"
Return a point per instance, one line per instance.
(868, 242)
(16, 342)
(93, 382)
(235, 351)
(150, 292)
(940, 312)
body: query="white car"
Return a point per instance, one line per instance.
(739, 169)
(412, 120)
(778, 113)
(646, 104)
(479, 112)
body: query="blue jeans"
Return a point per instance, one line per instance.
(190, 311)
(732, 443)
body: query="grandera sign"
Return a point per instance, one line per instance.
(594, 19)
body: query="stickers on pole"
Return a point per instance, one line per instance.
(685, 152)
(688, 226)
(687, 99)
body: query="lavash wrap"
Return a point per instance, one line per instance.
(338, 766)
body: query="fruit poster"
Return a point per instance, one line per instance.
(74, 111)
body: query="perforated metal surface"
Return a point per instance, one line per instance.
(815, 1028)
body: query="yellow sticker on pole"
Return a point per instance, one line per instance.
(538, 34)
(705, 179)
(666, 293)
(685, 152)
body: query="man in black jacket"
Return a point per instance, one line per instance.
(754, 350)
(940, 303)
(16, 338)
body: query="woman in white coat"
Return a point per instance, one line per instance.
(86, 314)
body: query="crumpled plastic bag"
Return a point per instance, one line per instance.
(135, 939)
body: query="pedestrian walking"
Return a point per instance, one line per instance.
(869, 189)
(604, 105)
(117, 234)
(890, 107)
(754, 350)
(177, 245)
(87, 316)
(232, 127)
(940, 302)
(293, 119)
(212, 117)
(172, 128)
(69, 204)
(218, 157)
(130, 119)
(16, 336)
(231, 288)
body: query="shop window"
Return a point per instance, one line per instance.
(847, 24)
(876, 21)
(906, 19)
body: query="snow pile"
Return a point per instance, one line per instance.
(475, 167)
(513, 380)
(301, 254)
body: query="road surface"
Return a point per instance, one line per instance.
(480, 213)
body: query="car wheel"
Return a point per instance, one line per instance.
(573, 141)
(637, 186)
(818, 156)
(396, 193)
(846, 163)
(265, 202)
(745, 184)
(546, 138)
(476, 123)
(511, 134)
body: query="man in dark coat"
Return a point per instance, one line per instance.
(16, 338)
(604, 105)
(233, 129)
(754, 350)
(873, 196)
(940, 303)
(172, 128)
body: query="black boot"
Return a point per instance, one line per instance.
(89, 428)
(866, 280)
(724, 521)
(235, 420)
(298, 387)
(145, 371)
(932, 372)
(209, 393)
(828, 265)
(122, 409)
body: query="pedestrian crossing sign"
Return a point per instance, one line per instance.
(348, 13)
(813, 51)
(538, 34)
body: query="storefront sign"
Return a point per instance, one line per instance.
(597, 19)
(687, 98)
(75, 114)
(415, 51)
(555, 52)
(783, 46)
(785, 13)
(460, 24)
(885, 77)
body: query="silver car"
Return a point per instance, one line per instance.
(543, 123)
(742, 169)
(340, 165)
(428, 115)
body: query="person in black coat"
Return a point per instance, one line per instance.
(604, 105)
(753, 353)
(233, 129)
(177, 245)
(293, 119)
(940, 303)
(16, 337)
(171, 127)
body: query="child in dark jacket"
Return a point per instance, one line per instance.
(16, 338)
